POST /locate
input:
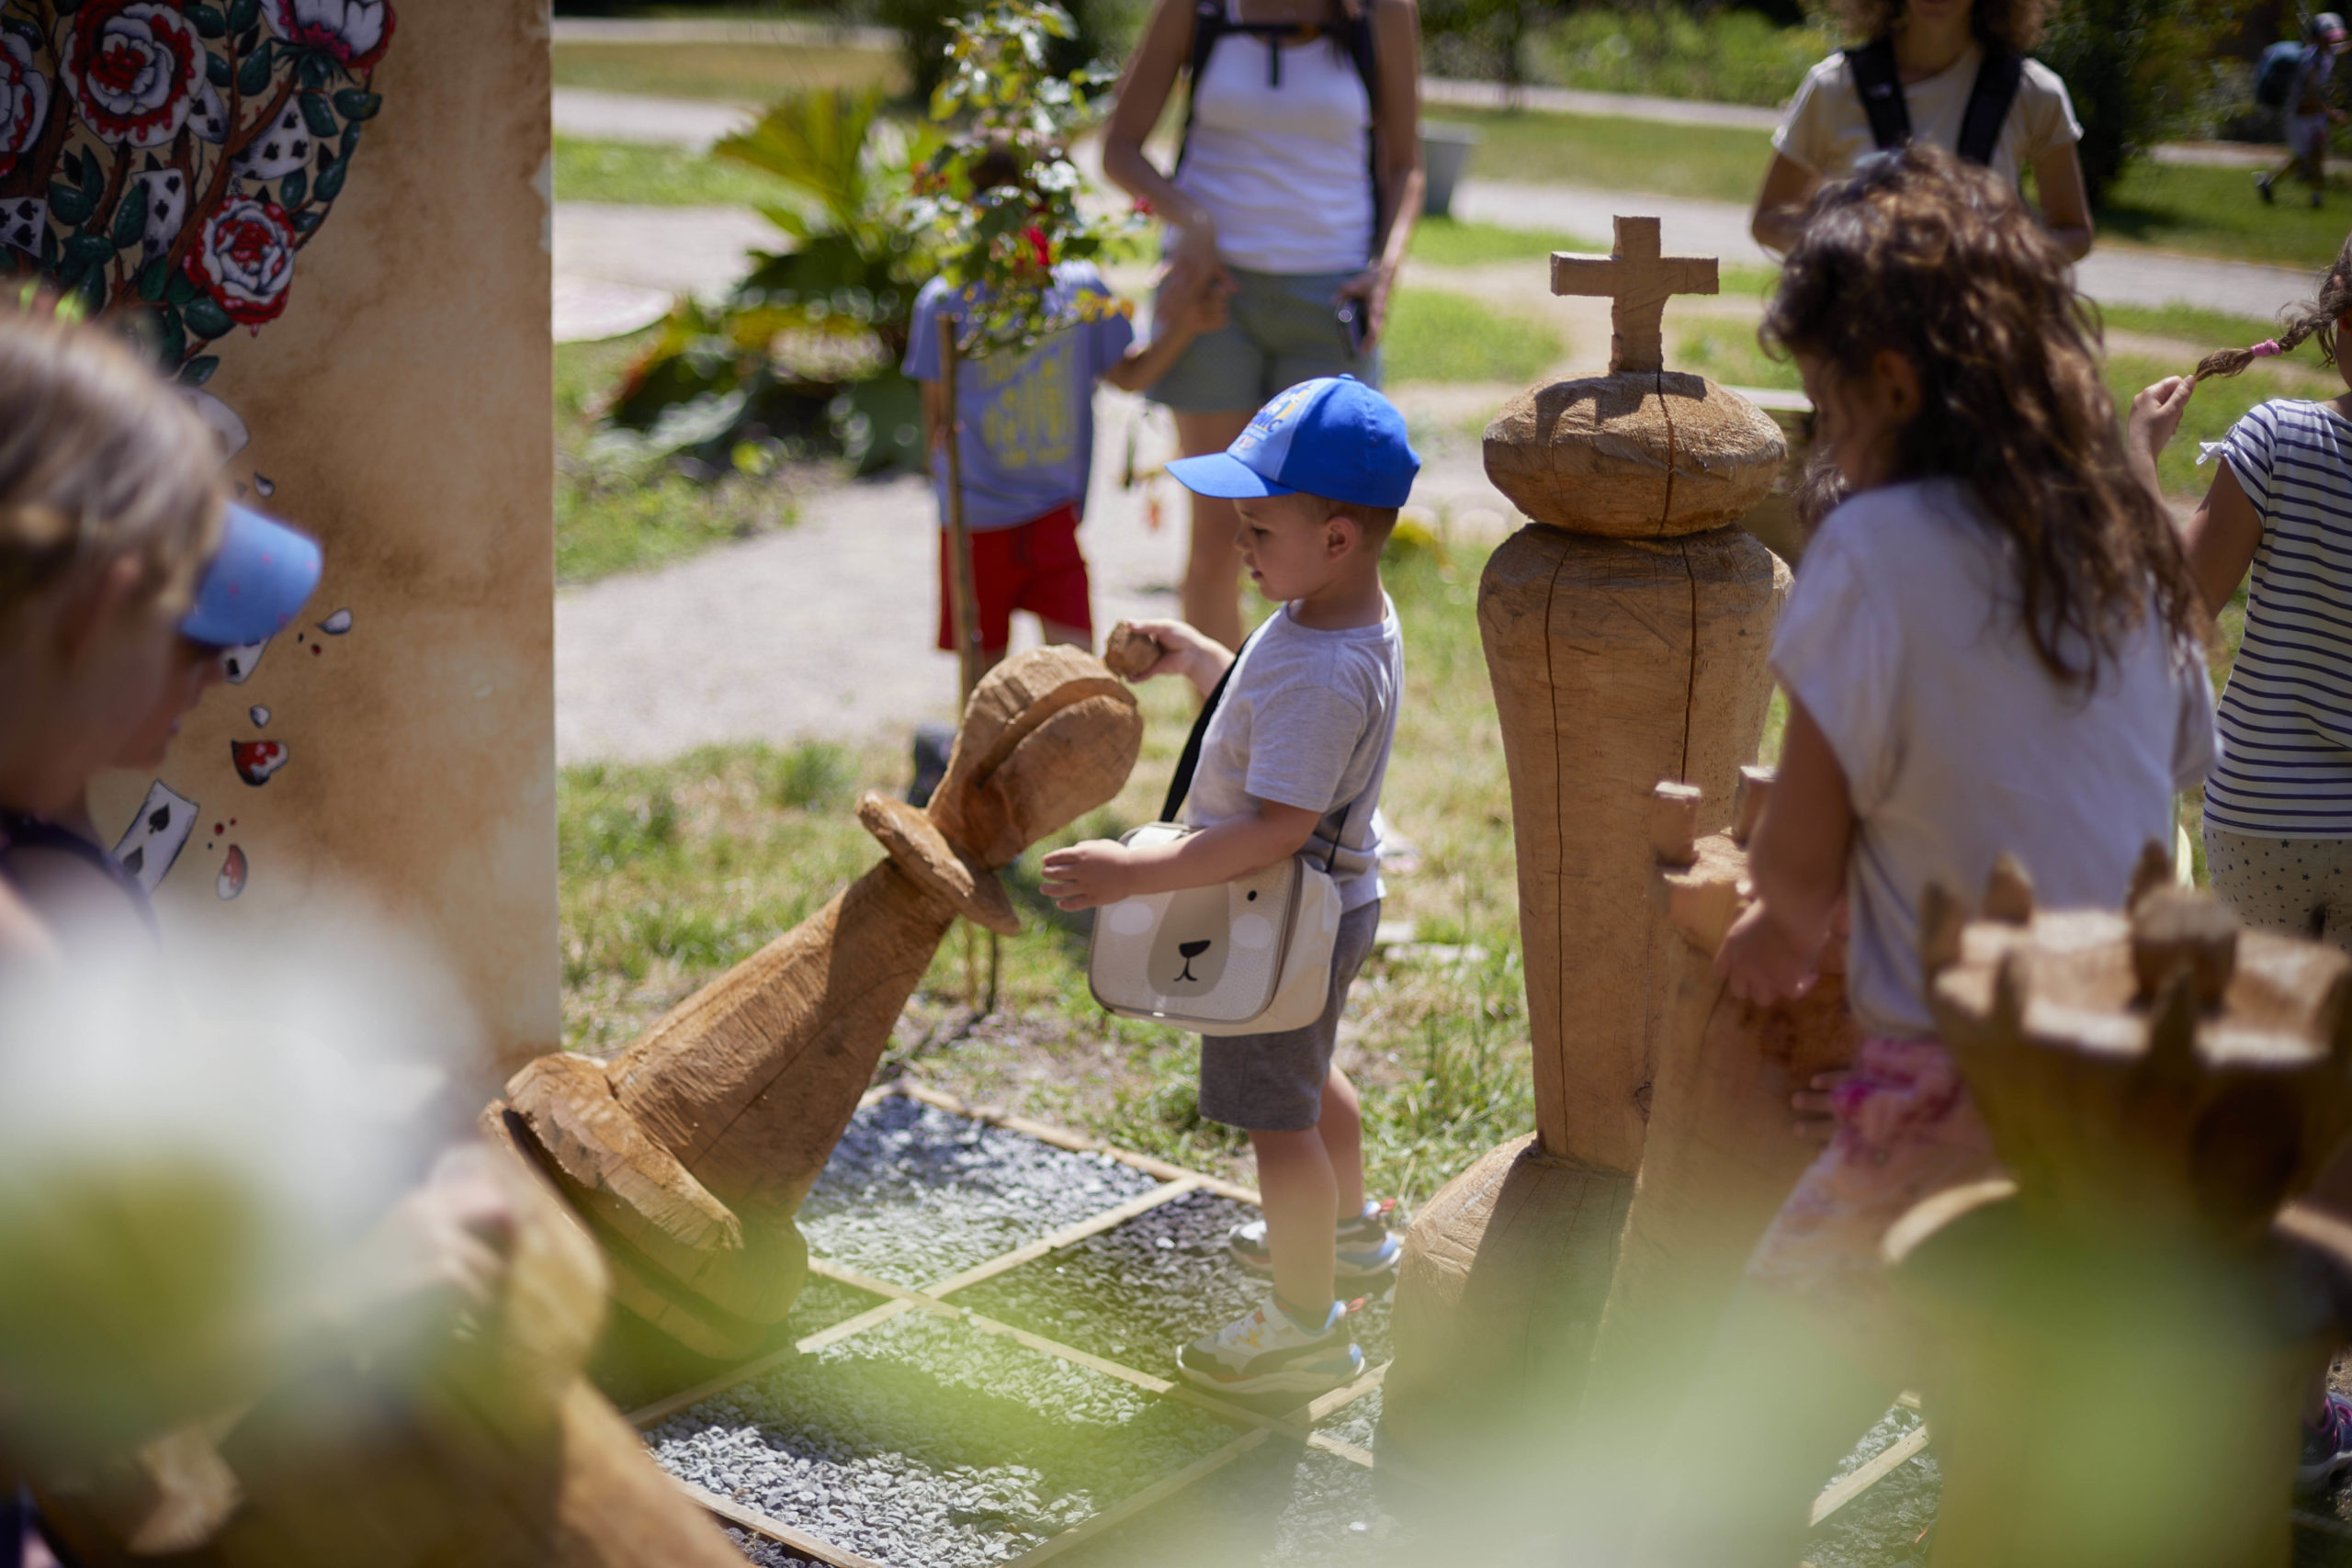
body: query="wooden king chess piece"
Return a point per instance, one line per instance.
(1626, 632)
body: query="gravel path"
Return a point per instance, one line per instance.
(915, 1193)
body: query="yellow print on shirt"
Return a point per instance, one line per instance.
(1031, 418)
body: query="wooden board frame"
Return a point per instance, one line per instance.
(1254, 1427)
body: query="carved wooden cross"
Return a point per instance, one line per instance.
(1636, 281)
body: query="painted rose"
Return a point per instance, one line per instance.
(24, 99)
(132, 67)
(356, 32)
(243, 258)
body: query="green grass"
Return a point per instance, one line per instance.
(672, 872)
(2215, 213)
(2192, 323)
(1435, 334)
(2217, 405)
(745, 73)
(650, 175)
(618, 510)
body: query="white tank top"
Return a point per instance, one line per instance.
(1284, 171)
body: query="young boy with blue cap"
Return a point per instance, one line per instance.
(1291, 760)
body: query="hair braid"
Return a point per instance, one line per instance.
(2313, 318)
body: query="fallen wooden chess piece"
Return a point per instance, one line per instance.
(687, 1155)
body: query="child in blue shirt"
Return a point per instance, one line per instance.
(1025, 440)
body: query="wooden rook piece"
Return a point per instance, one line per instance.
(1625, 632)
(687, 1155)
(2158, 1086)
(1637, 281)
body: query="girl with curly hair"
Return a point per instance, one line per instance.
(1953, 73)
(1994, 650)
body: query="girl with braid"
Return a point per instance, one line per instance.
(2278, 824)
(2279, 807)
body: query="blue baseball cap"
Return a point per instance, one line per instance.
(254, 583)
(1332, 436)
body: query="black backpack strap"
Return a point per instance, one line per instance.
(1881, 90)
(1188, 762)
(1209, 25)
(1359, 50)
(1988, 103)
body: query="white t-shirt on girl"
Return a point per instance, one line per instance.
(1902, 641)
(1828, 132)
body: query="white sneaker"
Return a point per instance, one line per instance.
(1264, 1352)
(1366, 1247)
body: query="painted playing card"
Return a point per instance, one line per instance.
(155, 837)
(237, 663)
(256, 759)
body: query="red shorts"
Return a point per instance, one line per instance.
(1033, 565)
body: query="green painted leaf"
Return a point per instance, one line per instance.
(293, 188)
(89, 250)
(253, 74)
(209, 22)
(92, 290)
(171, 345)
(179, 289)
(70, 204)
(306, 222)
(49, 252)
(153, 279)
(205, 317)
(244, 14)
(216, 67)
(317, 71)
(131, 216)
(330, 181)
(353, 103)
(316, 115)
(350, 138)
(197, 371)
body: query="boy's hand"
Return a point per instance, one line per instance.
(1758, 963)
(1185, 651)
(1088, 876)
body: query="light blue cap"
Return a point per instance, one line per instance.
(1332, 436)
(254, 583)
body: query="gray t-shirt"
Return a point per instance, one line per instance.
(1306, 720)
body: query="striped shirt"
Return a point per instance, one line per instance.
(2285, 768)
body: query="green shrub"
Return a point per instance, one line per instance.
(1726, 56)
(2137, 71)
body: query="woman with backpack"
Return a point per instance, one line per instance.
(1949, 71)
(1296, 189)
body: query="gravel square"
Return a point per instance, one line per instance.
(925, 1443)
(1135, 1293)
(915, 1193)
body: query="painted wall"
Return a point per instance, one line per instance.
(398, 407)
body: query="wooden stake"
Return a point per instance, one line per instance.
(964, 617)
(964, 599)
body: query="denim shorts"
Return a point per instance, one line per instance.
(1280, 330)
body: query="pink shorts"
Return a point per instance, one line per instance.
(1906, 1129)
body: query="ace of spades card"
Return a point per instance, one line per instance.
(156, 835)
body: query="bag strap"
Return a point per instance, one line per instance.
(1188, 762)
(1209, 24)
(1881, 90)
(1995, 89)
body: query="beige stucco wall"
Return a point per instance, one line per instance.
(398, 409)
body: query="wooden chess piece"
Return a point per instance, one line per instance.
(687, 1155)
(1625, 632)
(2128, 1327)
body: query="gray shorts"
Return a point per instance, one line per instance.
(1279, 330)
(1273, 1083)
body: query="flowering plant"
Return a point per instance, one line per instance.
(1001, 202)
